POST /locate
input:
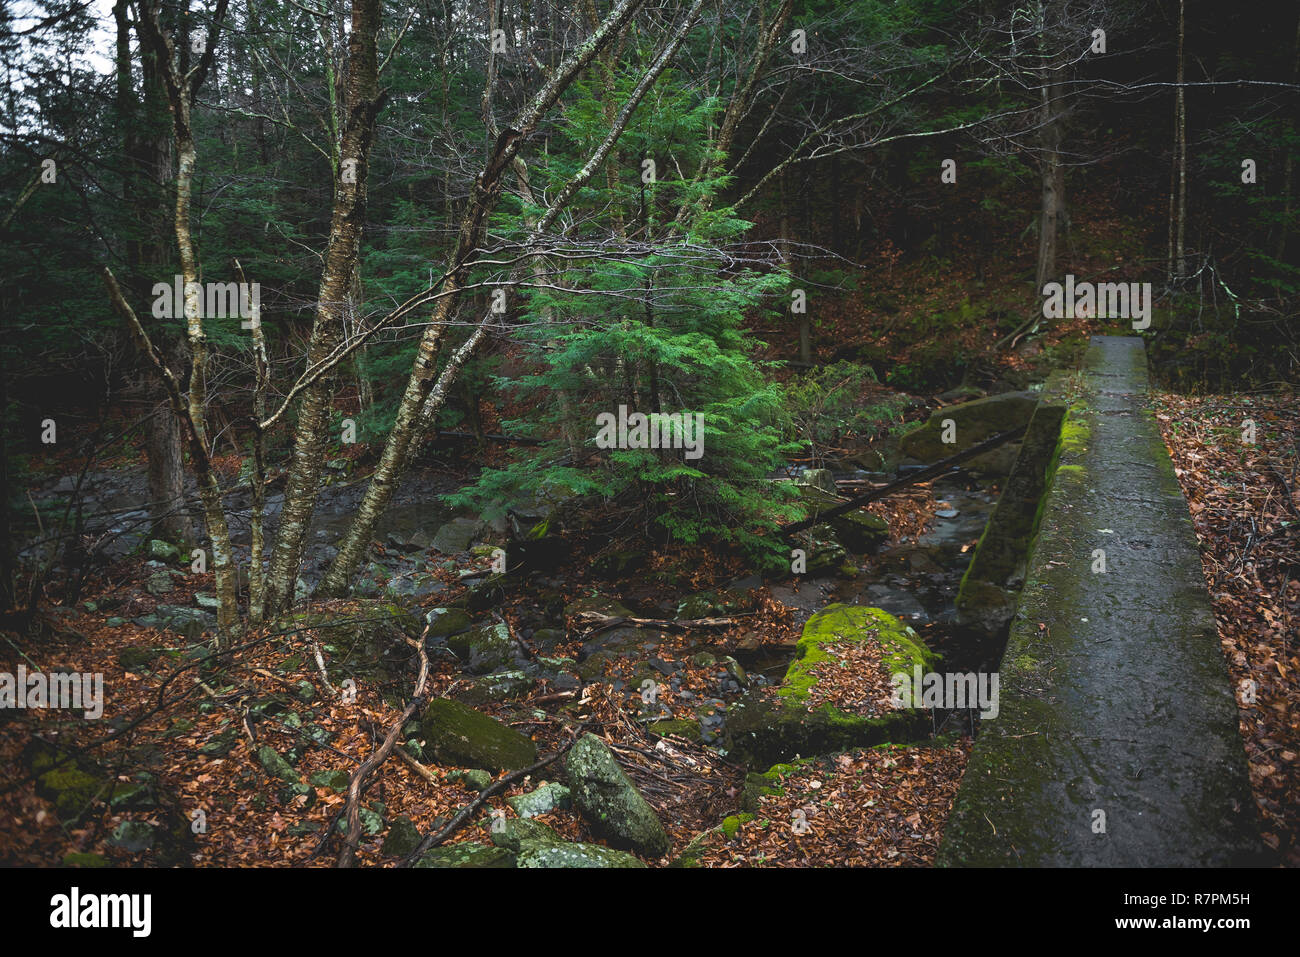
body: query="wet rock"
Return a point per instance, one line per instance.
(457, 734)
(607, 799)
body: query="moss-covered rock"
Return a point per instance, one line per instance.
(484, 648)
(533, 854)
(547, 798)
(974, 422)
(402, 838)
(444, 622)
(459, 735)
(472, 779)
(472, 855)
(513, 832)
(765, 728)
(857, 530)
(605, 796)
(365, 639)
(682, 727)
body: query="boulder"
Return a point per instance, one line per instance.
(535, 854)
(459, 735)
(974, 422)
(456, 536)
(763, 728)
(547, 798)
(469, 854)
(484, 648)
(605, 796)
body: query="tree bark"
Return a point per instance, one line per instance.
(363, 102)
(483, 199)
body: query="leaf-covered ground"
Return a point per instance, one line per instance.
(1244, 497)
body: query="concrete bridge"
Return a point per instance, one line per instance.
(1117, 742)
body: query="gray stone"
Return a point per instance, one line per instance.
(605, 796)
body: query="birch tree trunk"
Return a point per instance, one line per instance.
(363, 102)
(483, 199)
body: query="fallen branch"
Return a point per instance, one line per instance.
(604, 622)
(347, 855)
(929, 472)
(462, 816)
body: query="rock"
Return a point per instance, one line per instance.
(974, 422)
(826, 555)
(534, 854)
(605, 796)
(275, 765)
(764, 729)
(133, 836)
(459, 735)
(367, 640)
(512, 833)
(484, 648)
(467, 855)
(334, 780)
(179, 619)
(703, 605)
(141, 658)
(545, 799)
(402, 838)
(498, 686)
(858, 530)
(83, 859)
(599, 604)
(414, 586)
(159, 583)
(682, 727)
(205, 600)
(489, 593)
(547, 638)
(473, 779)
(618, 564)
(736, 671)
(163, 551)
(446, 621)
(818, 478)
(455, 536)
(72, 784)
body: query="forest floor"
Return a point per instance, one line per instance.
(1245, 503)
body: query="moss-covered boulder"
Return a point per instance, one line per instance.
(72, 784)
(550, 796)
(483, 649)
(363, 639)
(764, 728)
(402, 838)
(459, 735)
(973, 422)
(512, 833)
(534, 854)
(609, 801)
(469, 854)
(858, 531)
(446, 621)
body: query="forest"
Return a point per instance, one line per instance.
(649, 433)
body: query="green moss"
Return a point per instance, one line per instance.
(839, 624)
(731, 825)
